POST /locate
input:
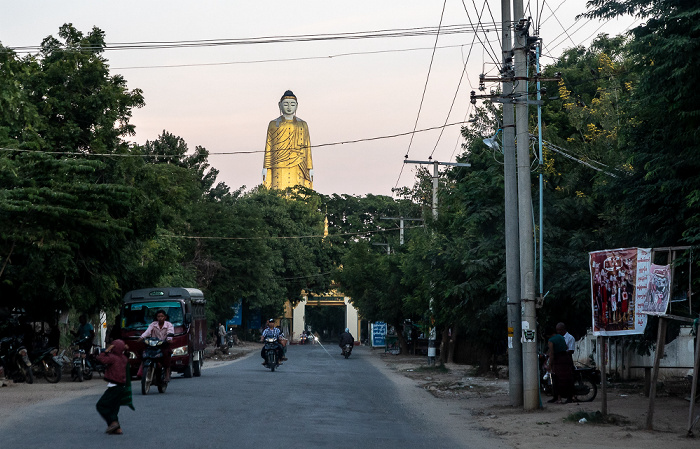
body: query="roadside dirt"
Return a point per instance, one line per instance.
(554, 425)
(15, 395)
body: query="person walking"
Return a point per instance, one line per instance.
(115, 374)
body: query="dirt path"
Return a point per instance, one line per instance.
(487, 399)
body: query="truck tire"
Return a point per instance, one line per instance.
(189, 368)
(197, 367)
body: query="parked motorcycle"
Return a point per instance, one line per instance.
(153, 369)
(347, 349)
(229, 339)
(15, 360)
(81, 369)
(46, 363)
(270, 352)
(586, 380)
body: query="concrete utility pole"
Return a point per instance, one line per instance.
(401, 220)
(515, 356)
(526, 231)
(431, 335)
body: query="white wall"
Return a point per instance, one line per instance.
(679, 353)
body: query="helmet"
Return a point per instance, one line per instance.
(271, 320)
(347, 330)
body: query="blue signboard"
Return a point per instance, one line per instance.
(237, 319)
(379, 334)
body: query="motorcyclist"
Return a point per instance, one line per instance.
(162, 330)
(276, 333)
(346, 338)
(85, 334)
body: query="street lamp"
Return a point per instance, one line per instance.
(492, 143)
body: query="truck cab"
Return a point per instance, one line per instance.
(184, 308)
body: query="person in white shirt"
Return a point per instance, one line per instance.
(568, 338)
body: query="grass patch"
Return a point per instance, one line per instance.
(442, 369)
(596, 418)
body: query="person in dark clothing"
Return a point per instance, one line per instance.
(346, 338)
(561, 366)
(116, 332)
(108, 405)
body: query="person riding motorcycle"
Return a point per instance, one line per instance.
(162, 330)
(85, 334)
(276, 333)
(346, 338)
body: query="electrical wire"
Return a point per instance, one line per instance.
(307, 58)
(225, 153)
(454, 98)
(293, 237)
(425, 88)
(159, 45)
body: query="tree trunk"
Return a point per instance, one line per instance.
(403, 344)
(444, 345)
(452, 343)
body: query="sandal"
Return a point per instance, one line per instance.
(112, 428)
(117, 432)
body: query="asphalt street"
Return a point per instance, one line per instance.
(317, 399)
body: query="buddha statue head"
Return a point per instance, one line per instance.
(288, 105)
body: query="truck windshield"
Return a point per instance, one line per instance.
(139, 315)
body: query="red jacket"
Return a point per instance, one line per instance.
(116, 361)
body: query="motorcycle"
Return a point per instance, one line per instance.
(81, 369)
(153, 369)
(304, 339)
(347, 349)
(46, 363)
(15, 360)
(586, 380)
(229, 339)
(270, 351)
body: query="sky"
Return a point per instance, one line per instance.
(353, 93)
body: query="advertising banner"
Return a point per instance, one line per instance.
(378, 334)
(655, 301)
(619, 285)
(237, 310)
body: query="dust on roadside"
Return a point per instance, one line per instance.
(17, 395)
(487, 401)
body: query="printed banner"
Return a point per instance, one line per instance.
(378, 334)
(619, 285)
(657, 294)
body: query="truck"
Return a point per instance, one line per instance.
(184, 308)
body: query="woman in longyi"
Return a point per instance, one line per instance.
(288, 149)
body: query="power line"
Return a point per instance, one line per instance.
(374, 34)
(306, 58)
(368, 139)
(425, 88)
(294, 237)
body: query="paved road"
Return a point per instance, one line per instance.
(316, 400)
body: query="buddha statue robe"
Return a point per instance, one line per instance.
(288, 154)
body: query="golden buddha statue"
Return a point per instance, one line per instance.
(288, 149)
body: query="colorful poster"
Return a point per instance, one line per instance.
(657, 295)
(619, 284)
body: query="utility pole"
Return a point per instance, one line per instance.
(435, 164)
(401, 220)
(526, 231)
(524, 242)
(515, 356)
